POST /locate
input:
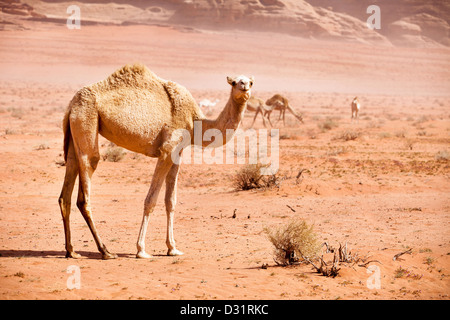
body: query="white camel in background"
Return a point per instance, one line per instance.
(207, 105)
(356, 106)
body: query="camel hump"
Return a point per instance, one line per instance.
(183, 103)
(135, 75)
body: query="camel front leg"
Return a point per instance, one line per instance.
(268, 118)
(256, 115)
(170, 201)
(161, 170)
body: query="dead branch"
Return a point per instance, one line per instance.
(363, 265)
(333, 271)
(293, 210)
(329, 248)
(409, 251)
(299, 175)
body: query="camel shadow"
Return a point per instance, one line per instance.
(51, 254)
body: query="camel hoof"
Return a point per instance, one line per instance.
(108, 256)
(73, 255)
(143, 255)
(174, 252)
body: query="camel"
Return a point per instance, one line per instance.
(141, 112)
(258, 106)
(207, 105)
(279, 102)
(356, 106)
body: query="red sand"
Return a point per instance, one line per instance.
(382, 193)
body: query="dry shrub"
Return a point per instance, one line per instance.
(409, 144)
(293, 241)
(250, 177)
(114, 153)
(16, 112)
(349, 135)
(384, 135)
(335, 151)
(42, 146)
(327, 124)
(442, 155)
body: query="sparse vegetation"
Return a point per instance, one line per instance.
(442, 155)
(349, 135)
(327, 124)
(384, 135)
(9, 131)
(336, 151)
(409, 144)
(293, 241)
(113, 153)
(251, 177)
(42, 146)
(16, 112)
(405, 273)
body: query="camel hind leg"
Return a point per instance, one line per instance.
(85, 137)
(170, 202)
(66, 195)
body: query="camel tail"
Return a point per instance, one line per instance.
(67, 133)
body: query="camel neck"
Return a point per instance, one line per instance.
(230, 118)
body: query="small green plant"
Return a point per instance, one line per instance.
(293, 241)
(405, 273)
(400, 272)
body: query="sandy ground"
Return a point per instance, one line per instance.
(383, 193)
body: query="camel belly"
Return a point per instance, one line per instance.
(134, 124)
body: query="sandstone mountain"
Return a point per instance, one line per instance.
(403, 22)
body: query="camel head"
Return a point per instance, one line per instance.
(241, 88)
(274, 101)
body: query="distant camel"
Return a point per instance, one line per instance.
(356, 106)
(207, 105)
(139, 111)
(257, 105)
(279, 102)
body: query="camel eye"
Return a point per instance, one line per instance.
(234, 83)
(251, 83)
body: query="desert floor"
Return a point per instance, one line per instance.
(380, 184)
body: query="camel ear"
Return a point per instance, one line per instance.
(231, 81)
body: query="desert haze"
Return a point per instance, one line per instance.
(377, 184)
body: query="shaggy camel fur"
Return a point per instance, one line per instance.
(258, 106)
(279, 102)
(355, 108)
(139, 111)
